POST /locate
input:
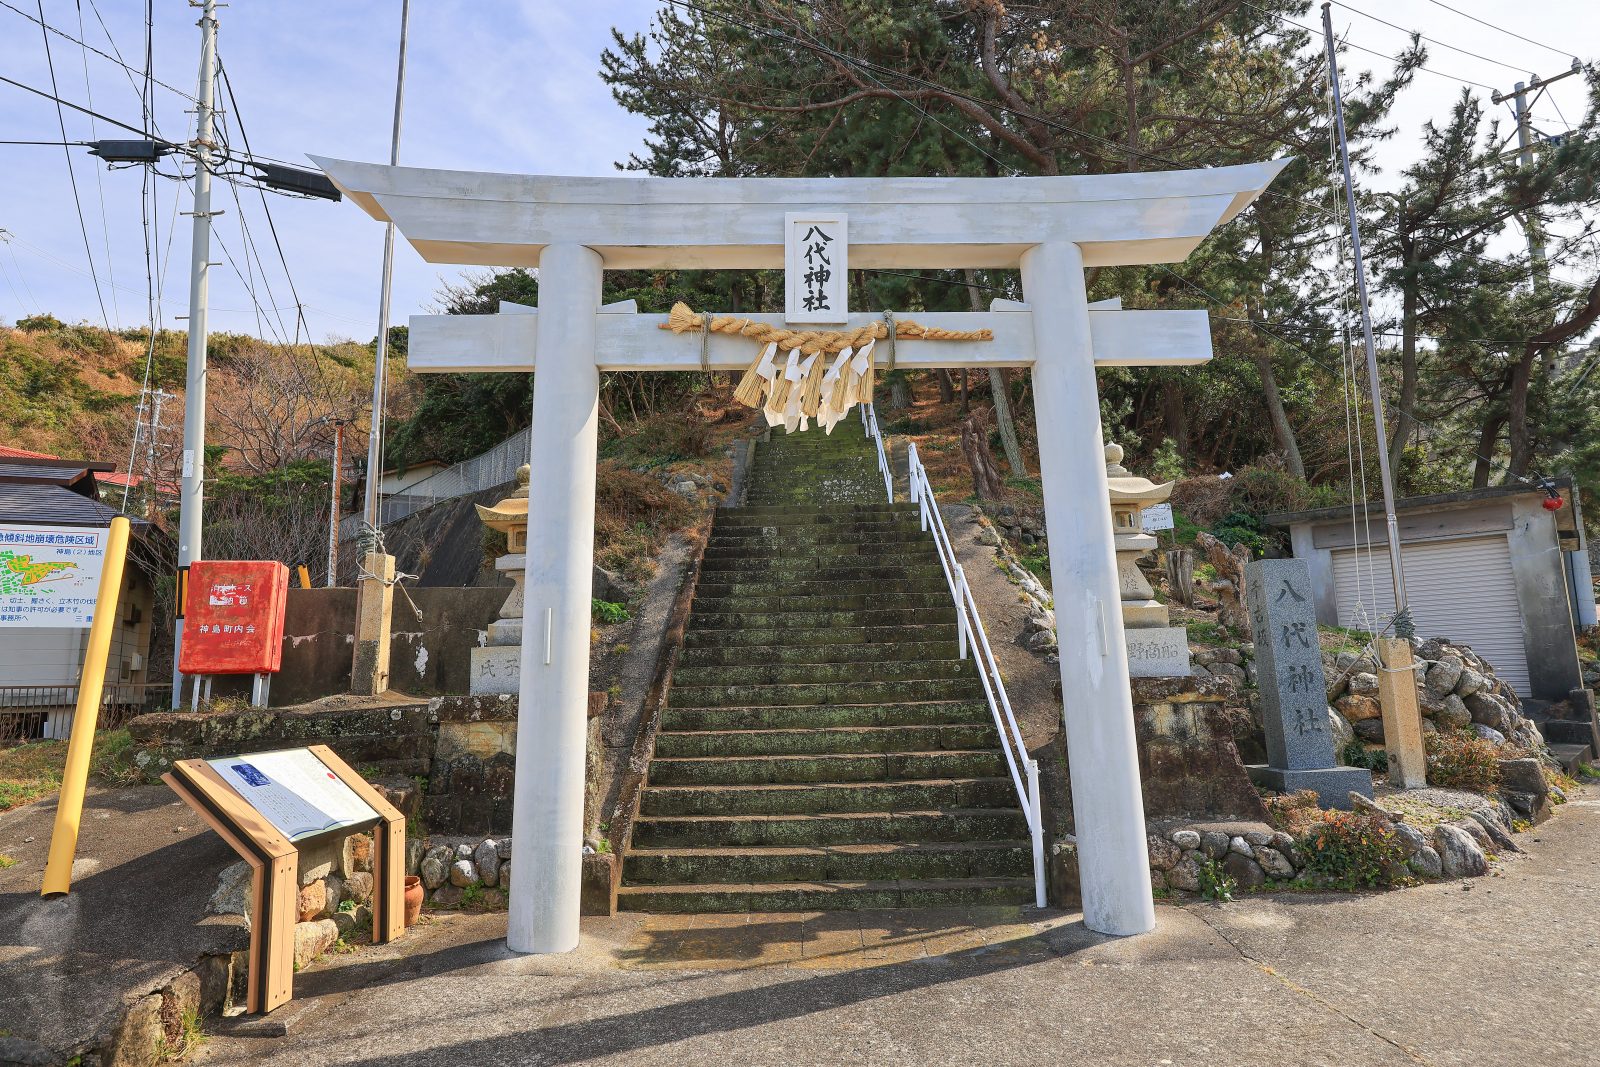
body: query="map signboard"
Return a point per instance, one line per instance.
(50, 575)
(294, 791)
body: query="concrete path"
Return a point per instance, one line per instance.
(1500, 970)
(135, 919)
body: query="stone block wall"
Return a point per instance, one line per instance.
(1189, 764)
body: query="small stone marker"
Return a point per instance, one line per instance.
(1402, 719)
(1158, 652)
(1294, 706)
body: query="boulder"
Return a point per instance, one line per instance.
(1239, 846)
(356, 854)
(1042, 641)
(1244, 870)
(1185, 875)
(1370, 730)
(312, 939)
(1340, 729)
(313, 900)
(1496, 830)
(1474, 829)
(1469, 682)
(432, 872)
(358, 888)
(1488, 710)
(1489, 734)
(20, 1052)
(1523, 776)
(1164, 855)
(1452, 714)
(1274, 863)
(1231, 671)
(486, 858)
(1443, 675)
(1364, 683)
(1357, 708)
(1186, 839)
(1459, 854)
(502, 848)
(463, 873)
(1229, 655)
(1214, 843)
(1426, 863)
(1411, 839)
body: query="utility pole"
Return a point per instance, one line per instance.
(380, 369)
(333, 505)
(194, 402)
(1523, 107)
(1397, 690)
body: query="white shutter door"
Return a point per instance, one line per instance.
(1461, 590)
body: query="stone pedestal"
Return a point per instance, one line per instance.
(1155, 648)
(497, 666)
(369, 673)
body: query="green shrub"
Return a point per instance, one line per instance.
(1353, 850)
(1215, 882)
(1356, 754)
(1462, 760)
(1241, 528)
(604, 611)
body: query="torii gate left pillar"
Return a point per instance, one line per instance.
(570, 228)
(547, 816)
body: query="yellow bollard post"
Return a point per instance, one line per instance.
(75, 778)
(305, 576)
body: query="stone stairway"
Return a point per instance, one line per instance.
(823, 748)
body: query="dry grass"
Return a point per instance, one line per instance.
(31, 771)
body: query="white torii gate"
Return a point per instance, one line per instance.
(572, 229)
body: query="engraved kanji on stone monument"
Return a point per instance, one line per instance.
(1294, 705)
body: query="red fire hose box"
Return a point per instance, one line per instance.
(233, 617)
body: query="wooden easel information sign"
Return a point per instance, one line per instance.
(264, 803)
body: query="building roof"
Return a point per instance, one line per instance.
(44, 504)
(7, 452)
(1417, 503)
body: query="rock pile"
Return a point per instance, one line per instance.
(1456, 689)
(450, 868)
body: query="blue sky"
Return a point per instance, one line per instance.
(510, 86)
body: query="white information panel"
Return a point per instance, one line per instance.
(50, 575)
(1156, 517)
(294, 791)
(816, 262)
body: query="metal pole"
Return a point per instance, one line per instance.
(1525, 157)
(380, 370)
(1396, 567)
(333, 504)
(194, 401)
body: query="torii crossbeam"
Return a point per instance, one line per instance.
(572, 229)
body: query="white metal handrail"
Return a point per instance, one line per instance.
(869, 420)
(974, 641)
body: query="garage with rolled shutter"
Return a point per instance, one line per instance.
(1462, 590)
(1488, 568)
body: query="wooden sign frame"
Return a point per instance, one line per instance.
(275, 865)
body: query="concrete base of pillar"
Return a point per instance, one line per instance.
(1333, 785)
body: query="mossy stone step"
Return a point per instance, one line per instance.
(757, 673)
(818, 585)
(792, 536)
(785, 799)
(897, 566)
(841, 740)
(826, 896)
(886, 652)
(832, 769)
(827, 716)
(835, 863)
(820, 620)
(750, 604)
(848, 828)
(798, 637)
(755, 696)
(853, 515)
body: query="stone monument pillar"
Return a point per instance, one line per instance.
(1155, 648)
(1294, 693)
(496, 667)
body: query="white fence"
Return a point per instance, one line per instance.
(498, 466)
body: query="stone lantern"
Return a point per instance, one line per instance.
(1155, 648)
(496, 667)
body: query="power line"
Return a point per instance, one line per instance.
(60, 103)
(1502, 29)
(39, 21)
(72, 175)
(1425, 37)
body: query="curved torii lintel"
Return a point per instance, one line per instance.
(488, 219)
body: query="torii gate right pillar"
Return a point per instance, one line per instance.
(1102, 754)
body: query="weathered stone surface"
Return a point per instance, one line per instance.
(1293, 687)
(1524, 775)
(1158, 880)
(232, 896)
(1185, 875)
(1425, 863)
(1164, 855)
(502, 848)
(1157, 651)
(135, 1040)
(1244, 870)
(1254, 838)
(357, 855)
(1370, 730)
(1042, 641)
(19, 1052)
(433, 873)
(312, 939)
(358, 887)
(1470, 682)
(1343, 732)
(1356, 708)
(1485, 709)
(1186, 839)
(1443, 675)
(1214, 843)
(1474, 829)
(1452, 714)
(448, 896)
(486, 858)
(1364, 683)
(1497, 832)
(1411, 839)
(333, 893)
(1489, 734)
(463, 873)
(1459, 854)
(1274, 863)
(313, 901)
(1239, 846)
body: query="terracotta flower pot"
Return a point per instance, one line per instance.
(413, 899)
